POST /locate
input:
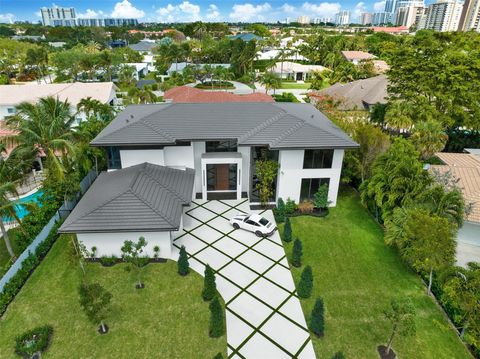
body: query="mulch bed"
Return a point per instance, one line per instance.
(382, 351)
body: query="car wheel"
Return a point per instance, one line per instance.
(259, 234)
(236, 226)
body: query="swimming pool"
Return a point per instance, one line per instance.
(20, 210)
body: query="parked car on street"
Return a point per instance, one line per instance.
(255, 223)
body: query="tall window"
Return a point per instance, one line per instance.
(318, 159)
(114, 161)
(221, 146)
(310, 186)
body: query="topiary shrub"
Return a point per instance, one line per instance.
(33, 341)
(297, 253)
(280, 211)
(287, 231)
(317, 322)
(217, 326)
(305, 285)
(209, 286)
(183, 266)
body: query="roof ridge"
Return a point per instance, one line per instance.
(170, 190)
(262, 126)
(298, 125)
(147, 203)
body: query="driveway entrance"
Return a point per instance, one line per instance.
(264, 315)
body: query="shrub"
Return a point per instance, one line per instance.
(218, 356)
(320, 198)
(107, 261)
(285, 97)
(209, 286)
(155, 87)
(338, 355)
(297, 253)
(156, 252)
(95, 301)
(305, 207)
(183, 266)
(305, 285)
(280, 211)
(287, 231)
(33, 341)
(217, 326)
(317, 323)
(290, 206)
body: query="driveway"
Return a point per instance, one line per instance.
(263, 313)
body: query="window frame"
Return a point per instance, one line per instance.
(315, 155)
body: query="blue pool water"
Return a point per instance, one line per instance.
(20, 209)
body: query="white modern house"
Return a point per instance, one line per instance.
(161, 156)
(295, 71)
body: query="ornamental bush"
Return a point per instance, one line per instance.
(217, 326)
(183, 266)
(297, 253)
(305, 285)
(317, 323)
(287, 231)
(290, 206)
(33, 341)
(209, 286)
(280, 211)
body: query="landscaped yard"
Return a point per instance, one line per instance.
(357, 274)
(167, 319)
(295, 85)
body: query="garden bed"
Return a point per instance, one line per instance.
(217, 85)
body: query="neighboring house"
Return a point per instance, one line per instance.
(187, 94)
(144, 47)
(142, 83)
(293, 71)
(465, 168)
(289, 42)
(356, 57)
(57, 44)
(204, 151)
(275, 54)
(180, 66)
(141, 69)
(246, 37)
(13, 95)
(380, 66)
(29, 37)
(150, 61)
(355, 95)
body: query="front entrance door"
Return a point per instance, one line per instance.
(221, 178)
(221, 181)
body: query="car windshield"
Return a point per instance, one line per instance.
(263, 221)
(246, 218)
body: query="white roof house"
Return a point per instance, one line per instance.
(13, 95)
(295, 71)
(286, 41)
(275, 54)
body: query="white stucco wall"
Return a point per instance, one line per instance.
(198, 149)
(245, 151)
(291, 173)
(110, 243)
(179, 156)
(135, 157)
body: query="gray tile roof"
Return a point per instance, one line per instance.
(279, 125)
(143, 46)
(143, 197)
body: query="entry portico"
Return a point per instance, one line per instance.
(222, 175)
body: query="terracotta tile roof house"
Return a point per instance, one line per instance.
(356, 56)
(185, 94)
(465, 167)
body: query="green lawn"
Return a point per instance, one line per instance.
(167, 319)
(357, 274)
(294, 85)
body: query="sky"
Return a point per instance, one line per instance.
(191, 10)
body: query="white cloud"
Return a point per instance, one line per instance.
(125, 9)
(90, 14)
(8, 18)
(38, 14)
(213, 12)
(379, 6)
(287, 8)
(359, 8)
(186, 11)
(324, 9)
(248, 12)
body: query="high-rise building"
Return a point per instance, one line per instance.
(444, 15)
(382, 18)
(366, 18)
(58, 16)
(107, 22)
(390, 6)
(320, 20)
(470, 17)
(342, 18)
(303, 19)
(408, 12)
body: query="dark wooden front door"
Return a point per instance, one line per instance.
(222, 177)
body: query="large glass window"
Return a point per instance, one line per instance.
(258, 153)
(221, 146)
(318, 159)
(310, 186)
(113, 155)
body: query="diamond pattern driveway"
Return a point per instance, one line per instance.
(264, 316)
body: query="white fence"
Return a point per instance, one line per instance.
(62, 212)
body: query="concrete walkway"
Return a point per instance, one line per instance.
(263, 313)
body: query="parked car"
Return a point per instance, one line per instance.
(255, 223)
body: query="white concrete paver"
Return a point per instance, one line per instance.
(263, 314)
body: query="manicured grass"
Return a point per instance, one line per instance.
(294, 85)
(357, 274)
(167, 319)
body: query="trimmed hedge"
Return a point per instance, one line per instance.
(28, 266)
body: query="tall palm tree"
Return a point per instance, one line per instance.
(45, 127)
(429, 137)
(271, 81)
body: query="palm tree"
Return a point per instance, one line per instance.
(105, 60)
(429, 137)
(271, 81)
(45, 127)
(397, 116)
(126, 75)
